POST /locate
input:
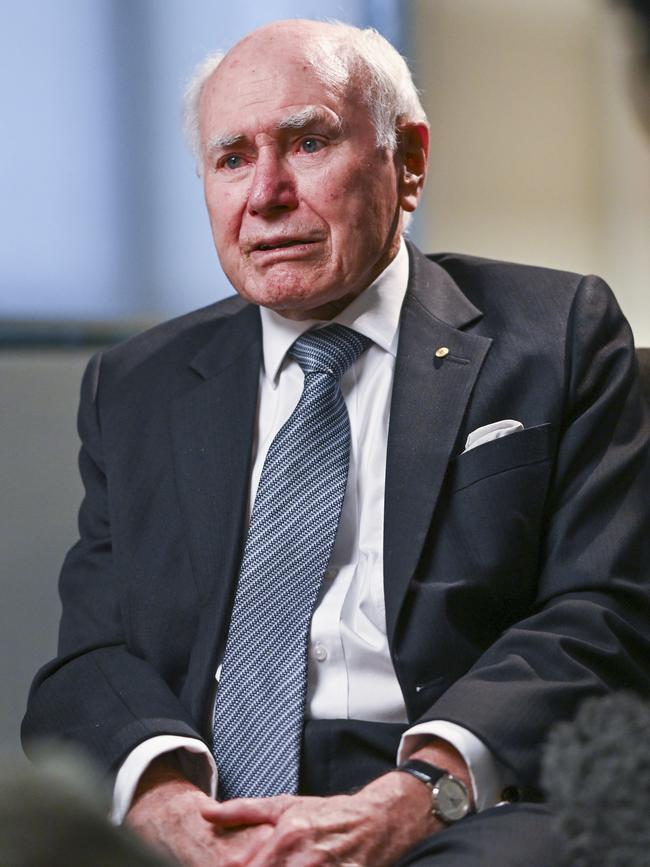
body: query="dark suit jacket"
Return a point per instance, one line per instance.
(516, 575)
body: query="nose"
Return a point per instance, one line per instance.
(273, 188)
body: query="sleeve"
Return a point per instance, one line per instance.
(197, 763)
(588, 629)
(96, 692)
(488, 777)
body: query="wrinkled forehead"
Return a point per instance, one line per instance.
(251, 89)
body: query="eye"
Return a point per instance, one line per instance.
(232, 161)
(311, 145)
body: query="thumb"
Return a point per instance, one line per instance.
(246, 811)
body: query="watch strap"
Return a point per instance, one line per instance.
(423, 771)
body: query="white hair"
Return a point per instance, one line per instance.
(191, 100)
(340, 54)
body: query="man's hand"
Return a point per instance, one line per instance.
(167, 813)
(372, 828)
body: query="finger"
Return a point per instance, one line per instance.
(268, 856)
(291, 845)
(238, 847)
(245, 811)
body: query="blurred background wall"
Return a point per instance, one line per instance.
(104, 213)
(538, 152)
(537, 156)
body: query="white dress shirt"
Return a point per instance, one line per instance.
(351, 674)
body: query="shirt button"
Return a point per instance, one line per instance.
(320, 652)
(330, 574)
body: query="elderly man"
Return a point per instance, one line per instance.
(353, 540)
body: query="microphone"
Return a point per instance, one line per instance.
(596, 774)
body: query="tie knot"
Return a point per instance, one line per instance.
(329, 350)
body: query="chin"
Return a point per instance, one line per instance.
(287, 297)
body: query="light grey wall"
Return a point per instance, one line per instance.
(39, 497)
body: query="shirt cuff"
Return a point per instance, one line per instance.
(197, 763)
(488, 776)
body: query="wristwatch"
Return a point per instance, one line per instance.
(450, 799)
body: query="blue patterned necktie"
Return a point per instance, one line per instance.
(260, 702)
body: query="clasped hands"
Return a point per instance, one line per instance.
(373, 827)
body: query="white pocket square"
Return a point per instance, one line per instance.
(490, 432)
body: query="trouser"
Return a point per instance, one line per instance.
(341, 755)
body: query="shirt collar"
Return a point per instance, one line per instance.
(374, 313)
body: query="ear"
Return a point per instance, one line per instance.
(413, 153)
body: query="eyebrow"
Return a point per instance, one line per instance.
(309, 114)
(225, 141)
(298, 120)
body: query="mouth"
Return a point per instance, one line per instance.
(278, 244)
(281, 245)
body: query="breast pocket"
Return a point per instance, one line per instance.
(491, 520)
(529, 446)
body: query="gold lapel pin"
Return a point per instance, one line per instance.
(442, 351)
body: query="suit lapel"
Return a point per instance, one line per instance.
(213, 425)
(429, 399)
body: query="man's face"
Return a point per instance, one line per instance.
(304, 208)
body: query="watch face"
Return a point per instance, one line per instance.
(452, 802)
